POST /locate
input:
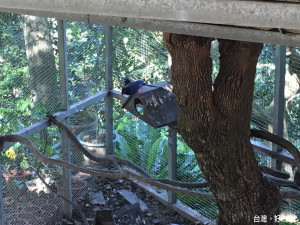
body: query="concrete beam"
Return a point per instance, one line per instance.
(222, 12)
(197, 29)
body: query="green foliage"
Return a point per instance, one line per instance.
(148, 148)
(288, 223)
(140, 54)
(14, 75)
(186, 161)
(86, 61)
(265, 77)
(143, 145)
(18, 157)
(137, 54)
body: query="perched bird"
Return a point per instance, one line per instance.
(133, 87)
(126, 81)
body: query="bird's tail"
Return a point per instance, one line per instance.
(149, 85)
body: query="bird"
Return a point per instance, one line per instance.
(134, 87)
(126, 81)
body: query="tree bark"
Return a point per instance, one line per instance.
(40, 55)
(214, 120)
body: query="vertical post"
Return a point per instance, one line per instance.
(278, 113)
(64, 87)
(2, 218)
(108, 87)
(172, 161)
(172, 149)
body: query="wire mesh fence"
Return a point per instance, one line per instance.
(30, 88)
(27, 200)
(263, 110)
(86, 61)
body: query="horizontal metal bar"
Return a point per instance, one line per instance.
(93, 99)
(181, 208)
(239, 13)
(42, 124)
(190, 28)
(117, 94)
(266, 150)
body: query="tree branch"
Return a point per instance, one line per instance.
(184, 184)
(239, 80)
(121, 173)
(282, 182)
(124, 172)
(292, 194)
(279, 141)
(109, 158)
(119, 161)
(274, 173)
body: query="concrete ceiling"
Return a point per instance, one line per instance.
(269, 22)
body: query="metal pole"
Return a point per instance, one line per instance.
(172, 162)
(108, 87)
(64, 87)
(172, 149)
(278, 114)
(2, 216)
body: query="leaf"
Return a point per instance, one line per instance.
(153, 154)
(124, 147)
(24, 164)
(49, 150)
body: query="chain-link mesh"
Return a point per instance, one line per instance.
(290, 208)
(263, 95)
(188, 171)
(27, 200)
(29, 89)
(140, 55)
(29, 86)
(263, 108)
(86, 63)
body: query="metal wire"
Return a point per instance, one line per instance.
(28, 95)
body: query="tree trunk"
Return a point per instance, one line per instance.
(43, 75)
(214, 120)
